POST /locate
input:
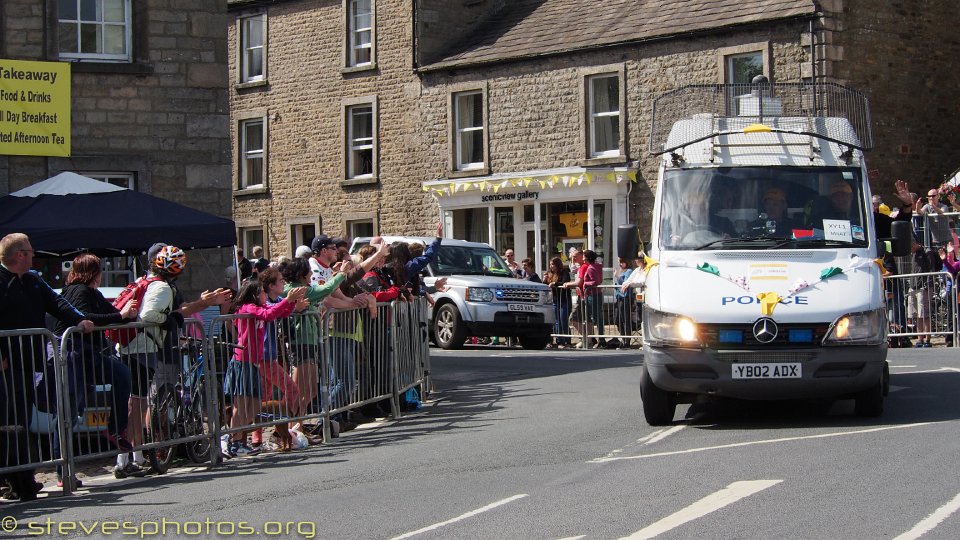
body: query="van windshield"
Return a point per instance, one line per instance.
(762, 208)
(466, 260)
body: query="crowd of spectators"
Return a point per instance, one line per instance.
(264, 360)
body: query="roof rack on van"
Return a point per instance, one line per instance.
(726, 108)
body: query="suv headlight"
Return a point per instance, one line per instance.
(548, 297)
(863, 328)
(669, 328)
(479, 294)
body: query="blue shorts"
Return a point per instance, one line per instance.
(242, 379)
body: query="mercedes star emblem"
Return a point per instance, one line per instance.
(765, 330)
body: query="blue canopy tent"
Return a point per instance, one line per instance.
(70, 213)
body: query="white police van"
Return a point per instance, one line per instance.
(762, 281)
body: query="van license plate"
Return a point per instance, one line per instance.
(526, 308)
(767, 371)
(97, 417)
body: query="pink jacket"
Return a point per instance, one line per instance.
(250, 332)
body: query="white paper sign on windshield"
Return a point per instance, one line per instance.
(837, 229)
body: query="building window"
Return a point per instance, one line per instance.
(253, 51)
(124, 180)
(742, 68)
(603, 106)
(361, 228)
(468, 130)
(252, 153)
(360, 139)
(360, 21)
(249, 237)
(301, 234)
(94, 30)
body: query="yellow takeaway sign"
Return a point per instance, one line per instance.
(34, 108)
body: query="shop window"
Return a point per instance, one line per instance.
(470, 224)
(252, 153)
(253, 50)
(469, 137)
(94, 30)
(504, 229)
(361, 33)
(603, 104)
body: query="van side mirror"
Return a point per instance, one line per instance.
(902, 241)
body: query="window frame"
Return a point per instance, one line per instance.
(243, 78)
(77, 56)
(348, 107)
(242, 120)
(593, 116)
(295, 224)
(724, 54)
(349, 57)
(456, 165)
(111, 177)
(609, 157)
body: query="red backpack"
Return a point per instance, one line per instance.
(135, 291)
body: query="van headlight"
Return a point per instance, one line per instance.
(669, 328)
(862, 328)
(479, 294)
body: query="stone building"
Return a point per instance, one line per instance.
(148, 99)
(504, 118)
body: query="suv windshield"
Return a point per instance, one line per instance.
(762, 208)
(466, 260)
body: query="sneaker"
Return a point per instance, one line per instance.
(258, 446)
(927, 345)
(242, 450)
(128, 470)
(918, 345)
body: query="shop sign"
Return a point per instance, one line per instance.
(34, 108)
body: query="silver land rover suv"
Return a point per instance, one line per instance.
(482, 297)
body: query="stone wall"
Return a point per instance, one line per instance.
(903, 56)
(164, 116)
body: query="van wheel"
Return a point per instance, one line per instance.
(659, 406)
(534, 343)
(448, 327)
(869, 403)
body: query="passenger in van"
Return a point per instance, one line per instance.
(837, 205)
(773, 219)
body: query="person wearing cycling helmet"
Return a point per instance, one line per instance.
(150, 355)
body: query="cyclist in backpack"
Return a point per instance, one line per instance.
(151, 356)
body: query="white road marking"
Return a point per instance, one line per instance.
(938, 370)
(574, 537)
(931, 521)
(462, 517)
(767, 441)
(665, 434)
(641, 440)
(898, 367)
(711, 503)
(895, 388)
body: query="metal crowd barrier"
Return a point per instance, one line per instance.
(598, 318)
(922, 304)
(175, 401)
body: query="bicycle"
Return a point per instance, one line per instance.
(177, 411)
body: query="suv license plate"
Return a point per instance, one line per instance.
(526, 308)
(766, 371)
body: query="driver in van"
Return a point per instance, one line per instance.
(837, 205)
(696, 220)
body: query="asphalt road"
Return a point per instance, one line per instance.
(517, 444)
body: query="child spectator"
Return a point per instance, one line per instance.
(242, 380)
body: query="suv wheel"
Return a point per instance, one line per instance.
(448, 327)
(534, 343)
